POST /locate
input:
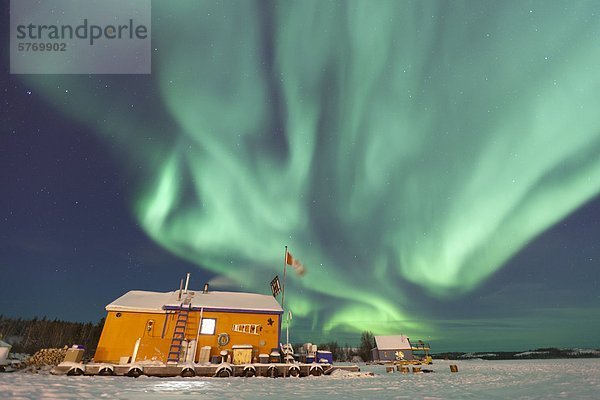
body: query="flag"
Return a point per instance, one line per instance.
(295, 263)
(275, 286)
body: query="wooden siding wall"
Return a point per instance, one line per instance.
(120, 334)
(390, 355)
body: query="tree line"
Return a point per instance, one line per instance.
(347, 353)
(30, 335)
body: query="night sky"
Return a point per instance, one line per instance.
(434, 165)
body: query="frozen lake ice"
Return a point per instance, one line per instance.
(476, 379)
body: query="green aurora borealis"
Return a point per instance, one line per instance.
(389, 144)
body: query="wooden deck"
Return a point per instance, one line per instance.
(274, 370)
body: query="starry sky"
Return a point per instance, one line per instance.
(434, 165)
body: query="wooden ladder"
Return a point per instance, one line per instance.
(179, 334)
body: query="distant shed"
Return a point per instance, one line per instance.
(392, 348)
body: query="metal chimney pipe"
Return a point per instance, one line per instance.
(187, 281)
(205, 288)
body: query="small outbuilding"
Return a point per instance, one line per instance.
(189, 326)
(392, 348)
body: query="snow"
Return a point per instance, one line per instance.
(520, 379)
(478, 355)
(394, 342)
(139, 300)
(531, 353)
(576, 352)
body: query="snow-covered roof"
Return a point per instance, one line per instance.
(139, 300)
(4, 344)
(394, 342)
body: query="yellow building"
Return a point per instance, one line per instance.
(180, 326)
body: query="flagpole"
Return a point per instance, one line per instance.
(287, 339)
(283, 289)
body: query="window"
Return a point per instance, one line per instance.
(208, 326)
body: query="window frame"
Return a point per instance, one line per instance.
(214, 326)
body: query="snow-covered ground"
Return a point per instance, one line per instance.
(576, 352)
(531, 353)
(477, 379)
